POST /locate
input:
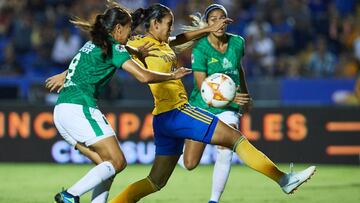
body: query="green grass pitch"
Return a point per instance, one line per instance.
(37, 183)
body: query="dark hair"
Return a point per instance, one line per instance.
(155, 11)
(213, 7)
(103, 25)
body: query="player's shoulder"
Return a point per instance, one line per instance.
(236, 41)
(201, 44)
(119, 48)
(136, 40)
(236, 38)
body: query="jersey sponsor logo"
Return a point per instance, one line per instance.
(120, 48)
(226, 63)
(69, 83)
(233, 72)
(88, 47)
(171, 57)
(213, 60)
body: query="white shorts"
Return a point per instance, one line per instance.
(77, 123)
(230, 118)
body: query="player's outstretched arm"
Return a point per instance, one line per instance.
(147, 76)
(243, 98)
(56, 82)
(191, 35)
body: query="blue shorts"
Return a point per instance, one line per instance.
(171, 128)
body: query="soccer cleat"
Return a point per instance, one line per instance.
(65, 197)
(212, 202)
(291, 181)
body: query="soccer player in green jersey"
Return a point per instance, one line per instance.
(76, 114)
(218, 52)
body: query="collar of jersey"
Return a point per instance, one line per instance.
(154, 40)
(211, 47)
(112, 40)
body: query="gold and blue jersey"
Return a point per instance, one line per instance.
(167, 95)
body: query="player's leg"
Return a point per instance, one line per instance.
(113, 162)
(221, 173)
(193, 152)
(194, 125)
(192, 155)
(206, 127)
(92, 129)
(101, 191)
(223, 159)
(160, 173)
(168, 150)
(92, 155)
(227, 136)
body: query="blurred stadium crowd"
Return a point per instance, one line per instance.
(284, 38)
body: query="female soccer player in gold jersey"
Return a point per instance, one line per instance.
(175, 119)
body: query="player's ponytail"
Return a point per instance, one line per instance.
(196, 24)
(104, 24)
(100, 35)
(138, 17)
(144, 16)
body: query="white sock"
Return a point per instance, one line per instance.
(181, 161)
(101, 191)
(221, 173)
(94, 177)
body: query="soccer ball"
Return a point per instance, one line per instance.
(218, 90)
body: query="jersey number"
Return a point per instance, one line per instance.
(71, 69)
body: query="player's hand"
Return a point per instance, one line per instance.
(144, 50)
(181, 72)
(246, 108)
(55, 83)
(242, 99)
(219, 24)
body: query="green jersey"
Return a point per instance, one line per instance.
(89, 72)
(207, 59)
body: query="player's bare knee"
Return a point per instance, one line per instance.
(119, 164)
(190, 164)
